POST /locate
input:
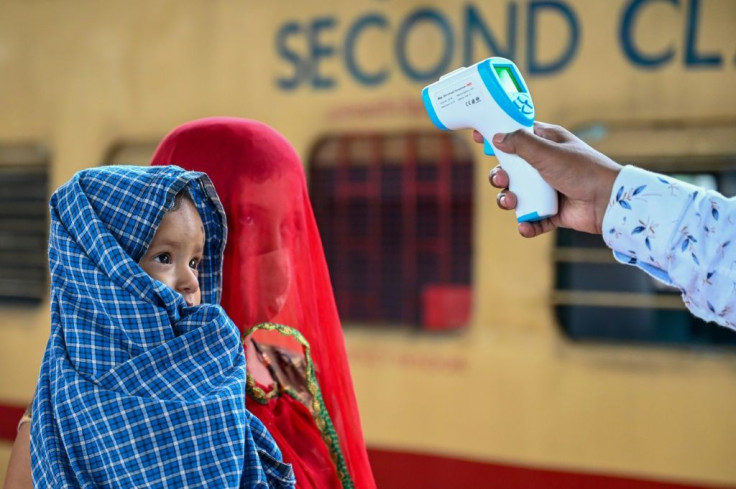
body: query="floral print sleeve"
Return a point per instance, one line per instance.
(681, 234)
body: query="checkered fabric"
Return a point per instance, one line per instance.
(136, 388)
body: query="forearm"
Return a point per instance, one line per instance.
(18, 475)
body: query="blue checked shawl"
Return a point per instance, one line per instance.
(136, 388)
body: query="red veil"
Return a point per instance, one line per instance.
(275, 271)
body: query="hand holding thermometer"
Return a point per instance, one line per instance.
(491, 97)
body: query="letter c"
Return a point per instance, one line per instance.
(377, 77)
(627, 41)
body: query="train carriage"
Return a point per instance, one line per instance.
(480, 359)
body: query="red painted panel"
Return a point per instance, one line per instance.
(401, 470)
(9, 417)
(446, 307)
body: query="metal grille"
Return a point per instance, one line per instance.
(598, 299)
(24, 179)
(395, 215)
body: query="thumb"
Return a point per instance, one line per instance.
(528, 145)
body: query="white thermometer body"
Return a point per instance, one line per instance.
(491, 97)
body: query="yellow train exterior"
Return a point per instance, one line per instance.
(510, 389)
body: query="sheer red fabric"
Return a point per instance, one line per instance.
(275, 271)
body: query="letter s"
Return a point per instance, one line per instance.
(288, 30)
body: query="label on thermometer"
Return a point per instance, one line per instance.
(467, 94)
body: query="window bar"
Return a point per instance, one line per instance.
(409, 229)
(444, 198)
(375, 225)
(342, 176)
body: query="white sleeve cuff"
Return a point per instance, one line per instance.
(643, 218)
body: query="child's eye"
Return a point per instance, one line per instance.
(194, 263)
(163, 258)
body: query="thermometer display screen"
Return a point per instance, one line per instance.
(507, 79)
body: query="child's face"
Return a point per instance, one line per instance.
(176, 250)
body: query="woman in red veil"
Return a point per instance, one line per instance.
(275, 274)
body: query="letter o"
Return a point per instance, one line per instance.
(436, 18)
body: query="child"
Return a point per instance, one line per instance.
(143, 379)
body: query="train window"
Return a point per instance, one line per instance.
(24, 182)
(395, 214)
(598, 299)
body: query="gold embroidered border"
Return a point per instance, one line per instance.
(319, 410)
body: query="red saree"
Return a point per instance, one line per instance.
(275, 272)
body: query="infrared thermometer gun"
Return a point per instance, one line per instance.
(491, 97)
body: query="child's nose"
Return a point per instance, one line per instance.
(187, 284)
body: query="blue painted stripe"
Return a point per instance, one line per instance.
(499, 94)
(430, 110)
(532, 217)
